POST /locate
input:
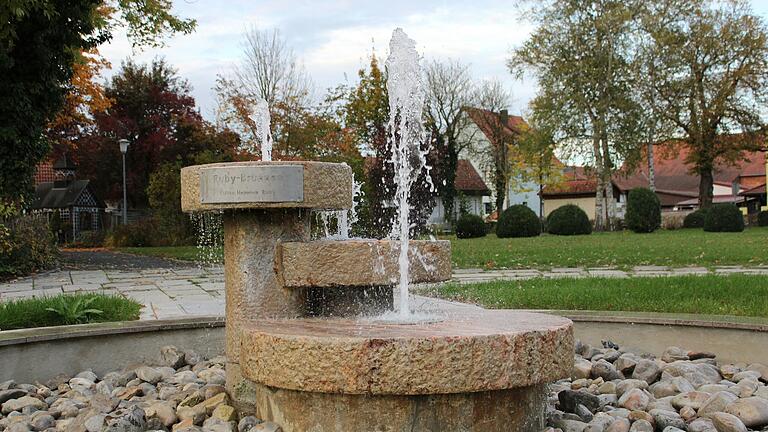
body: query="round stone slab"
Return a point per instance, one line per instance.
(256, 184)
(477, 351)
(335, 263)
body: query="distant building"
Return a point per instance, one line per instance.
(58, 190)
(677, 187)
(471, 190)
(483, 133)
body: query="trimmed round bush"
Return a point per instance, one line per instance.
(470, 226)
(695, 219)
(569, 220)
(643, 211)
(762, 218)
(518, 221)
(724, 218)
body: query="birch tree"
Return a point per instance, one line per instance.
(493, 97)
(581, 54)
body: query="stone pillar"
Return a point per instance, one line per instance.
(253, 290)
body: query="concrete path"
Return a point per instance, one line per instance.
(177, 289)
(480, 275)
(165, 292)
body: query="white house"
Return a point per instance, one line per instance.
(482, 133)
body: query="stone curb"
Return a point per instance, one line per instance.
(43, 334)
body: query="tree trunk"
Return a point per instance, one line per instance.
(706, 184)
(449, 176)
(610, 202)
(599, 187)
(651, 168)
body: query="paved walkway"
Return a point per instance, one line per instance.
(167, 292)
(179, 290)
(479, 275)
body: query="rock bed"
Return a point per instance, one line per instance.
(186, 394)
(610, 391)
(616, 391)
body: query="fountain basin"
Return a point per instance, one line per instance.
(360, 263)
(478, 351)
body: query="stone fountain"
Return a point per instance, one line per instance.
(305, 347)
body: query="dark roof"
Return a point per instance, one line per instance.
(47, 196)
(717, 199)
(468, 180)
(64, 163)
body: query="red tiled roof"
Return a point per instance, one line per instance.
(489, 123)
(44, 173)
(757, 190)
(672, 172)
(578, 181)
(468, 180)
(675, 183)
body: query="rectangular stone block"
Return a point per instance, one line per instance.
(332, 263)
(322, 185)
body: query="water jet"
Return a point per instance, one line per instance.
(313, 336)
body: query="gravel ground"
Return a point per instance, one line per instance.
(184, 394)
(616, 391)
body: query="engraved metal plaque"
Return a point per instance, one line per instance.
(245, 184)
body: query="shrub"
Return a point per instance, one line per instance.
(643, 211)
(139, 234)
(470, 226)
(569, 220)
(26, 245)
(518, 221)
(762, 218)
(724, 218)
(695, 219)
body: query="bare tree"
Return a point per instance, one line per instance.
(268, 71)
(492, 96)
(450, 89)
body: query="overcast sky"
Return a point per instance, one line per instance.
(334, 38)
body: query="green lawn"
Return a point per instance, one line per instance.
(622, 249)
(70, 309)
(741, 295)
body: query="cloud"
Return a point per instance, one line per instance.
(335, 39)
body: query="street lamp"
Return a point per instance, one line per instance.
(124, 143)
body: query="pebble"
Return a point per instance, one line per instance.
(752, 411)
(184, 393)
(647, 370)
(725, 422)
